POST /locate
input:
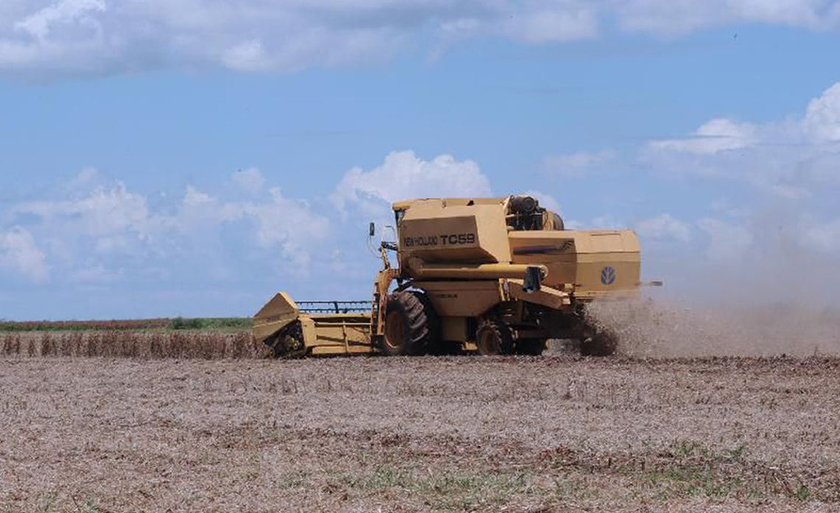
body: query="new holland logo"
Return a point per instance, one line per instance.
(607, 275)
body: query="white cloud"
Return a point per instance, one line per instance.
(93, 234)
(673, 17)
(822, 117)
(548, 23)
(82, 37)
(277, 222)
(104, 211)
(20, 255)
(664, 227)
(247, 56)
(194, 198)
(76, 15)
(290, 224)
(405, 176)
(712, 137)
(790, 158)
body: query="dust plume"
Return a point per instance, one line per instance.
(763, 284)
(663, 328)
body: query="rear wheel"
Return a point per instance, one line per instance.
(411, 325)
(493, 338)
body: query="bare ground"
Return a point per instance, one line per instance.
(420, 434)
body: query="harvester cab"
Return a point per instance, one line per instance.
(492, 275)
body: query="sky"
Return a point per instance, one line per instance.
(192, 157)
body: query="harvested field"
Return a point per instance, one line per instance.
(420, 434)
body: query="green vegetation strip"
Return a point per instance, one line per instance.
(222, 323)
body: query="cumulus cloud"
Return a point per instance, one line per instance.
(20, 255)
(791, 158)
(289, 224)
(403, 175)
(712, 137)
(73, 37)
(93, 231)
(247, 56)
(674, 17)
(550, 22)
(782, 238)
(111, 219)
(822, 117)
(73, 15)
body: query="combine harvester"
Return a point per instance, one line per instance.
(492, 275)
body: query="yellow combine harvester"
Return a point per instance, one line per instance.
(493, 275)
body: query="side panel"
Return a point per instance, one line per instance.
(595, 262)
(454, 329)
(337, 334)
(462, 298)
(608, 261)
(557, 250)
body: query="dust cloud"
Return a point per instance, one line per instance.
(769, 285)
(648, 327)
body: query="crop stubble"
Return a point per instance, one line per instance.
(202, 344)
(419, 434)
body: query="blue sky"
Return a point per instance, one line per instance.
(190, 158)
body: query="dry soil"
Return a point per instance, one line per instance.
(375, 434)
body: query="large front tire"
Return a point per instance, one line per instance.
(411, 325)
